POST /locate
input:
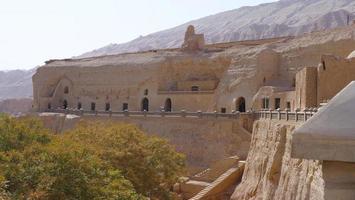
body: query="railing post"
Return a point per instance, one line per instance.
(305, 114)
(279, 114)
(237, 114)
(263, 115)
(183, 113)
(270, 113)
(199, 112)
(144, 113)
(126, 113)
(315, 110)
(215, 114)
(296, 115)
(287, 117)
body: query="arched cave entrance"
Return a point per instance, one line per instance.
(93, 106)
(145, 104)
(66, 90)
(240, 104)
(107, 107)
(167, 106)
(65, 104)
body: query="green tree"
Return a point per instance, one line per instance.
(3, 193)
(150, 163)
(16, 134)
(63, 171)
(35, 165)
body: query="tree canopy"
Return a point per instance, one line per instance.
(96, 160)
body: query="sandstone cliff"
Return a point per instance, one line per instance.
(271, 173)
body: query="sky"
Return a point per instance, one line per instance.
(33, 31)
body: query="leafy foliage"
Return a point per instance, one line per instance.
(150, 163)
(96, 160)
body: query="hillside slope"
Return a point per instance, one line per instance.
(16, 84)
(283, 18)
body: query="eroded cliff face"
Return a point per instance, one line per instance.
(271, 173)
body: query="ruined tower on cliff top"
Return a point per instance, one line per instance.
(193, 41)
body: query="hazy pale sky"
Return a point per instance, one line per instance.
(33, 31)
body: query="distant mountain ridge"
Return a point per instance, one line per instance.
(282, 18)
(16, 84)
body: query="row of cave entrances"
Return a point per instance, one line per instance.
(240, 105)
(144, 105)
(167, 105)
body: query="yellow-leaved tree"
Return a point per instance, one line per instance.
(96, 160)
(150, 163)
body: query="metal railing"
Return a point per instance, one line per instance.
(287, 115)
(263, 114)
(182, 113)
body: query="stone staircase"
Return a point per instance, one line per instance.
(216, 170)
(214, 182)
(222, 183)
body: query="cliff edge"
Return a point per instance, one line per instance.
(271, 173)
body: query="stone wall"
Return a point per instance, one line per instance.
(271, 173)
(334, 74)
(306, 88)
(286, 95)
(16, 106)
(204, 141)
(112, 80)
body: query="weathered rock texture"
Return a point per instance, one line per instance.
(224, 73)
(282, 18)
(16, 106)
(16, 84)
(271, 173)
(193, 41)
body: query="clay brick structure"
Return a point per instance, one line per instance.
(285, 73)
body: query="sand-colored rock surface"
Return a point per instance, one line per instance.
(224, 72)
(281, 18)
(270, 172)
(16, 106)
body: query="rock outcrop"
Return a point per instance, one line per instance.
(283, 18)
(193, 41)
(271, 173)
